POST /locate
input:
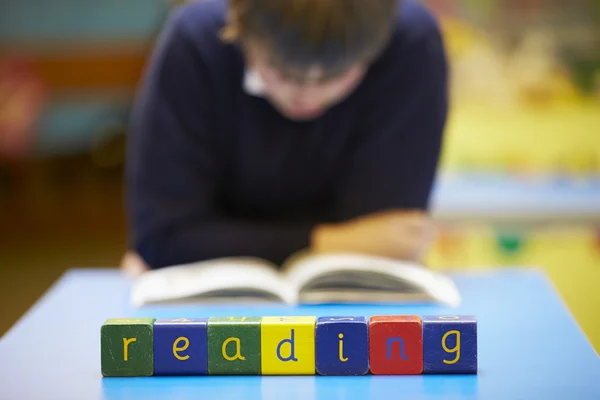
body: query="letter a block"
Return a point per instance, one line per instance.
(180, 346)
(126, 347)
(234, 346)
(396, 345)
(288, 345)
(342, 346)
(450, 344)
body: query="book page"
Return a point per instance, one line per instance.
(219, 279)
(364, 273)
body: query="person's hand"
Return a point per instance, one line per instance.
(133, 265)
(402, 235)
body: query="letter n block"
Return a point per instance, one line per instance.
(288, 345)
(180, 346)
(396, 345)
(234, 346)
(126, 347)
(450, 344)
(342, 346)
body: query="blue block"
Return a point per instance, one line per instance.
(450, 344)
(181, 346)
(342, 346)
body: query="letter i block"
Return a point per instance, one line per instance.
(396, 345)
(342, 346)
(450, 344)
(234, 345)
(180, 346)
(126, 347)
(288, 345)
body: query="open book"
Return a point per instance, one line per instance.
(303, 279)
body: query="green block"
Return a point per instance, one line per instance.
(127, 347)
(234, 345)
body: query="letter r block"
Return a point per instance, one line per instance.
(450, 344)
(288, 345)
(180, 346)
(126, 347)
(234, 345)
(396, 345)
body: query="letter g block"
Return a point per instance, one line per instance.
(234, 345)
(450, 344)
(288, 345)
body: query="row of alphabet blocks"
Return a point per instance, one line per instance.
(383, 345)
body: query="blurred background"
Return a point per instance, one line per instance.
(519, 182)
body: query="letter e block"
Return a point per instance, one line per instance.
(396, 345)
(126, 347)
(288, 345)
(342, 346)
(180, 346)
(234, 345)
(450, 344)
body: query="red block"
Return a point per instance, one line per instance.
(396, 345)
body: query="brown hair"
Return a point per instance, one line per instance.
(298, 34)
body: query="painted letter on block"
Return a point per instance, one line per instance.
(395, 345)
(288, 345)
(342, 346)
(180, 346)
(234, 345)
(450, 344)
(127, 347)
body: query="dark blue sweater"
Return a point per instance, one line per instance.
(213, 171)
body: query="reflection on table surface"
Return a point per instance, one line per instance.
(291, 387)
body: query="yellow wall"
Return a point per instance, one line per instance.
(555, 139)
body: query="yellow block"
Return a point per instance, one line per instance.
(288, 345)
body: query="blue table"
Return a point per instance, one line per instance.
(529, 347)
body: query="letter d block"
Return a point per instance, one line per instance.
(126, 347)
(288, 345)
(396, 345)
(450, 344)
(234, 345)
(180, 346)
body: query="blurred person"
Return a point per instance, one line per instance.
(265, 127)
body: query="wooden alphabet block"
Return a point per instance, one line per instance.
(395, 345)
(234, 345)
(450, 344)
(342, 346)
(180, 346)
(126, 347)
(288, 345)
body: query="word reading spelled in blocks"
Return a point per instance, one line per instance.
(288, 345)
(450, 344)
(127, 347)
(396, 345)
(234, 345)
(180, 346)
(342, 346)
